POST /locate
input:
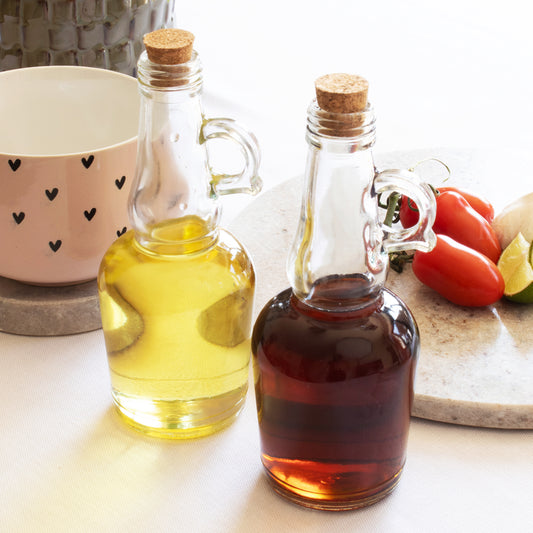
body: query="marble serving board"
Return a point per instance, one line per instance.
(476, 364)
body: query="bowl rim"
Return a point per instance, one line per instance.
(100, 72)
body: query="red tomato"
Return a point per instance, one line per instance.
(409, 210)
(480, 204)
(462, 223)
(459, 274)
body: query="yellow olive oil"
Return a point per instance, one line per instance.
(177, 320)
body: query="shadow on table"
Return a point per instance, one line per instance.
(111, 478)
(266, 511)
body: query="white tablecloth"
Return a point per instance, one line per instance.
(452, 73)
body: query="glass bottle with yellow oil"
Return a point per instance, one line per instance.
(176, 290)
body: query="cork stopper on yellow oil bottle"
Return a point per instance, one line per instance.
(169, 46)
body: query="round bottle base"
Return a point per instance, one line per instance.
(331, 501)
(180, 419)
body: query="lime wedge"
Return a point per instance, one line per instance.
(517, 272)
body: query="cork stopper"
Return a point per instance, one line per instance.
(341, 93)
(169, 46)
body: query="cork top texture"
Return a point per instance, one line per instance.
(341, 93)
(169, 46)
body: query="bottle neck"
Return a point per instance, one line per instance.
(337, 260)
(172, 209)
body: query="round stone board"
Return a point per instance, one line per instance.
(476, 364)
(48, 311)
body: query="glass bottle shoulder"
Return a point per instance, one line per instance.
(313, 345)
(223, 256)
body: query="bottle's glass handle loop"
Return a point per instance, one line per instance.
(247, 181)
(420, 236)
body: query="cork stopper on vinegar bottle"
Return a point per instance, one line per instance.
(169, 46)
(341, 93)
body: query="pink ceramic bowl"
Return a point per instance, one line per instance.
(68, 140)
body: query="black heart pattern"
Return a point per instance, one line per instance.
(121, 231)
(52, 194)
(19, 217)
(15, 164)
(87, 162)
(90, 214)
(120, 183)
(55, 245)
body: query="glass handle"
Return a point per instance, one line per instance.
(421, 235)
(247, 181)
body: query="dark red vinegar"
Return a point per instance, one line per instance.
(334, 392)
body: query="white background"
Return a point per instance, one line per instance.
(453, 74)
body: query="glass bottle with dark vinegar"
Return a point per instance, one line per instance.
(335, 354)
(176, 290)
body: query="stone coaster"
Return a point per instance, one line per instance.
(476, 364)
(48, 311)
